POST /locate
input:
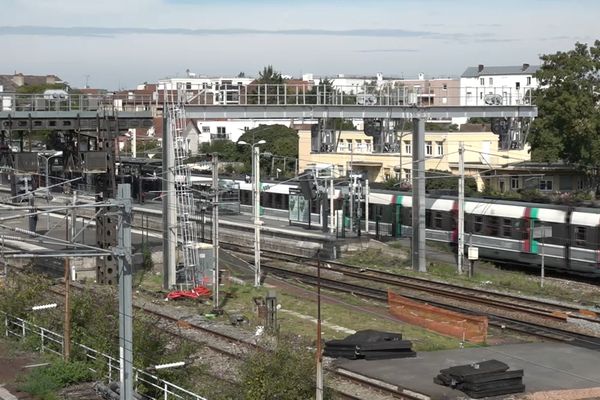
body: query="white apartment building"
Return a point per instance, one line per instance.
(499, 85)
(218, 90)
(233, 129)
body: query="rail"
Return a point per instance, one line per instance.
(53, 342)
(306, 94)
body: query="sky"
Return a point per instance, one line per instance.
(117, 44)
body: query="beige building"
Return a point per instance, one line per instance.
(354, 153)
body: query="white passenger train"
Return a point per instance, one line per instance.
(504, 231)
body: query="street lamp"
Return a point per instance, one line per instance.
(47, 161)
(256, 204)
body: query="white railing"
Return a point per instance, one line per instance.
(53, 342)
(278, 95)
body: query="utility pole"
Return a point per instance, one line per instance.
(366, 206)
(319, 355)
(215, 230)
(332, 216)
(123, 254)
(461, 207)
(70, 234)
(418, 199)
(256, 203)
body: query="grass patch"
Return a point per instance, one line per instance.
(376, 259)
(44, 382)
(352, 314)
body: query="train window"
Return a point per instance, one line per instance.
(428, 218)
(580, 235)
(438, 219)
(493, 226)
(478, 223)
(506, 227)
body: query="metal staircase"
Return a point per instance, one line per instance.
(193, 274)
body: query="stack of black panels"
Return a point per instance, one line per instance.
(370, 345)
(487, 378)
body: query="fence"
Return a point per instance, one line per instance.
(53, 342)
(465, 327)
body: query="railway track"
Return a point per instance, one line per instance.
(498, 320)
(385, 390)
(552, 313)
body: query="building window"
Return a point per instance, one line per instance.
(580, 184)
(440, 148)
(481, 95)
(514, 183)
(528, 81)
(205, 129)
(491, 80)
(349, 144)
(517, 85)
(482, 81)
(407, 147)
(188, 85)
(204, 85)
(428, 149)
(445, 86)
(444, 100)
(368, 145)
(407, 174)
(546, 184)
(221, 129)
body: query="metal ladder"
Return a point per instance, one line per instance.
(193, 271)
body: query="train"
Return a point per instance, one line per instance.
(506, 232)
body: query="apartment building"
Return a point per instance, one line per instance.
(354, 152)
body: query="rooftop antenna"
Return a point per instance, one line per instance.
(87, 81)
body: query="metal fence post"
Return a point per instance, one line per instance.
(42, 339)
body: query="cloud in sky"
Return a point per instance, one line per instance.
(125, 42)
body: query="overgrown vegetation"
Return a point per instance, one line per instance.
(288, 372)
(44, 382)
(94, 323)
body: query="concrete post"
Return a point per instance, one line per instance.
(169, 206)
(256, 204)
(418, 200)
(123, 253)
(215, 229)
(461, 207)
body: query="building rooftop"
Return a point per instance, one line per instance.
(525, 69)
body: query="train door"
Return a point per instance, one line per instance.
(526, 226)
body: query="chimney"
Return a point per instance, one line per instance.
(525, 66)
(480, 68)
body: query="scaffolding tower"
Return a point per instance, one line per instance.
(192, 273)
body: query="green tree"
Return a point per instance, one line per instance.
(444, 180)
(281, 141)
(269, 76)
(568, 124)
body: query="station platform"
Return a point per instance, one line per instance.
(547, 367)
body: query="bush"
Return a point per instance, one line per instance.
(284, 374)
(45, 381)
